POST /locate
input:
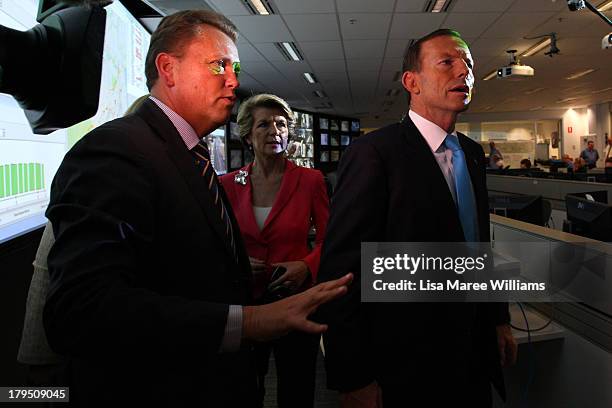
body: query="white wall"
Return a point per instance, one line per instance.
(594, 120)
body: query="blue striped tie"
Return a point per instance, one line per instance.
(202, 157)
(465, 193)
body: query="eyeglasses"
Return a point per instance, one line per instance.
(219, 67)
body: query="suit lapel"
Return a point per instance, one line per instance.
(288, 186)
(184, 162)
(420, 152)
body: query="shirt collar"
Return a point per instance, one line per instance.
(188, 134)
(434, 135)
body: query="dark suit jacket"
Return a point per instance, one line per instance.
(390, 188)
(300, 203)
(142, 273)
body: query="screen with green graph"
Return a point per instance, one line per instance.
(28, 162)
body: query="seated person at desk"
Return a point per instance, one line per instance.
(493, 153)
(590, 155)
(497, 162)
(568, 160)
(525, 164)
(580, 165)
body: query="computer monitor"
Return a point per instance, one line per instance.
(525, 208)
(601, 196)
(591, 219)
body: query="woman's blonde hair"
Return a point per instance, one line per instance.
(245, 113)
(136, 104)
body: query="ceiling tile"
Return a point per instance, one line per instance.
(364, 48)
(479, 6)
(229, 7)
(364, 26)
(391, 64)
(470, 24)
(489, 47)
(410, 6)
(568, 24)
(515, 25)
(335, 65)
(269, 51)
(249, 54)
(304, 7)
(321, 49)
(520, 6)
(396, 48)
(259, 29)
(313, 27)
(414, 25)
(365, 64)
(367, 6)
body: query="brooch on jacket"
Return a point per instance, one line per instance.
(240, 177)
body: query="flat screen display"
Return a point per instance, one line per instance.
(28, 162)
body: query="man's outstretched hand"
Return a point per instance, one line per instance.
(267, 322)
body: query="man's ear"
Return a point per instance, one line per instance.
(165, 68)
(410, 83)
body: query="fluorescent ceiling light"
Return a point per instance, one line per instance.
(573, 98)
(393, 92)
(289, 51)
(320, 94)
(536, 108)
(532, 91)
(260, 7)
(580, 74)
(490, 75)
(602, 90)
(536, 48)
(439, 6)
(310, 78)
(605, 6)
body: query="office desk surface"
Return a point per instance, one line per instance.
(552, 332)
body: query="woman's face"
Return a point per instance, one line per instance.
(270, 132)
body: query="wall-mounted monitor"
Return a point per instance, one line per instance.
(28, 161)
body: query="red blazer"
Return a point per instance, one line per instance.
(300, 202)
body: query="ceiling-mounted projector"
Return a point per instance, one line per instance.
(606, 41)
(515, 68)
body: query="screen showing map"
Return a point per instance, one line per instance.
(28, 162)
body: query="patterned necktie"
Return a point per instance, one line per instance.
(202, 157)
(463, 186)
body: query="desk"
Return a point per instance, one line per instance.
(552, 332)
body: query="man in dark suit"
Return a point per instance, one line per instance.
(149, 271)
(414, 181)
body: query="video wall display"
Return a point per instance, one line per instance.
(301, 148)
(332, 136)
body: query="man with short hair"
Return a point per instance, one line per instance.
(446, 354)
(590, 155)
(494, 155)
(149, 271)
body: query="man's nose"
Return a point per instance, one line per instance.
(231, 80)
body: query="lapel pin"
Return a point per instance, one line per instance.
(240, 177)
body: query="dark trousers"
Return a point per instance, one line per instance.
(477, 395)
(295, 356)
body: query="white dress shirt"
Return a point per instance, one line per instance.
(434, 136)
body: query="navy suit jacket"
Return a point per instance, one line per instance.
(142, 272)
(390, 189)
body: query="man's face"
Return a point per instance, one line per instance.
(203, 91)
(591, 145)
(446, 80)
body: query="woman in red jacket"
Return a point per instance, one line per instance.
(276, 203)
